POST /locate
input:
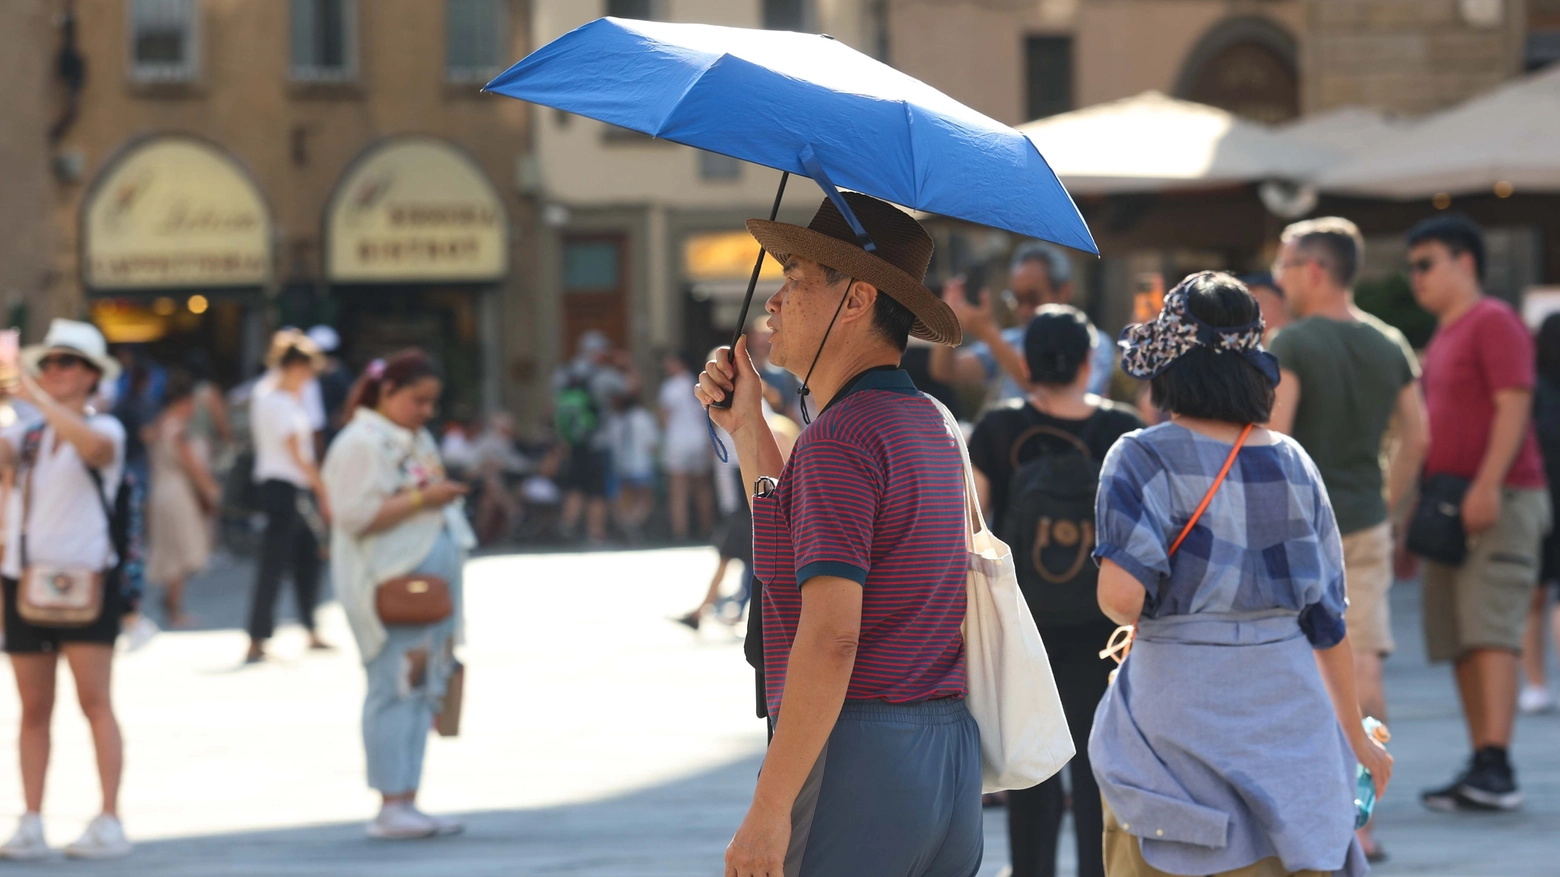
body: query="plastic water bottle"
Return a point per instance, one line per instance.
(1364, 783)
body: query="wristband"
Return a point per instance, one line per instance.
(417, 499)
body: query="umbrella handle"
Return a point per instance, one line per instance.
(758, 266)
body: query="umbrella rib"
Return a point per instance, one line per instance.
(672, 110)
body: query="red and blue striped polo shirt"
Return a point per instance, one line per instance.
(873, 492)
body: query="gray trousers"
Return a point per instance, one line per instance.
(895, 791)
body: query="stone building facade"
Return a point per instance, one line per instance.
(217, 148)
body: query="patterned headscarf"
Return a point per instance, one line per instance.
(1147, 349)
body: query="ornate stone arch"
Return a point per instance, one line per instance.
(1248, 65)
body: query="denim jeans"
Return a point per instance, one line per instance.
(398, 711)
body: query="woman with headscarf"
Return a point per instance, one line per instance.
(1229, 740)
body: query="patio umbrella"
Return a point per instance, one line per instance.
(1506, 137)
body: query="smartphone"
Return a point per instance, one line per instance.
(974, 282)
(10, 347)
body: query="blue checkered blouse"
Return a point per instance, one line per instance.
(1267, 540)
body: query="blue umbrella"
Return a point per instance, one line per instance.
(803, 104)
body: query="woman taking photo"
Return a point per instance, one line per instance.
(1229, 740)
(1036, 465)
(68, 470)
(183, 496)
(397, 514)
(289, 481)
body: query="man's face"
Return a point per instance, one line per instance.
(799, 314)
(1297, 272)
(1437, 276)
(1031, 285)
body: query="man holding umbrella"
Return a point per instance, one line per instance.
(860, 543)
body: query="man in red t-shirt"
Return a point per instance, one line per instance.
(1478, 380)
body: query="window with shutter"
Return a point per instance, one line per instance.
(475, 39)
(163, 45)
(324, 40)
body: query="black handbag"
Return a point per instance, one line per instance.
(1436, 530)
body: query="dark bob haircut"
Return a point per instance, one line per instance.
(1457, 232)
(1057, 342)
(1208, 383)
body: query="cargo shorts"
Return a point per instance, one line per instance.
(1483, 603)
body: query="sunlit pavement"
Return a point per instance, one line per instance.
(599, 739)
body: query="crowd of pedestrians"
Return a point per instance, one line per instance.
(1271, 457)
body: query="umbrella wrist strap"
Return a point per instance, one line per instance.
(804, 391)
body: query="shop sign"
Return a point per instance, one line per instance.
(724, 255)
(416, 209)
(175, 212)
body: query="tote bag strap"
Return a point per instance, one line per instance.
(1120, 644)
(975, 519)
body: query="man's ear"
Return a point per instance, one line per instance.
(863, 296)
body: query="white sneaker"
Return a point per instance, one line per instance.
(444, 826)
(1535, 699)
(103, 839)
(27, 844)
(401, 821)
(138, 634)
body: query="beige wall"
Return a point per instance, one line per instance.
(297, 139)
(26, 236)
(974, 51)
(1406, 56)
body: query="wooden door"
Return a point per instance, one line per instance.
(595, 289)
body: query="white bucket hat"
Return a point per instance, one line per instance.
(72, 336)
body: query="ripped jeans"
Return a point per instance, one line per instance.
(406, 682)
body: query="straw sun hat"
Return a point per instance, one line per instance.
(904, 250)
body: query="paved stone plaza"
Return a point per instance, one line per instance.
(599, 739)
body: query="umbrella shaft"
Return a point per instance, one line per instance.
(758, 267)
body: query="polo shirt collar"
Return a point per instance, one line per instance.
(883, 377)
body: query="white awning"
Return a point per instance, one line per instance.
(1509, 135)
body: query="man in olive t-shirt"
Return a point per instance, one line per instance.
(1347, 377)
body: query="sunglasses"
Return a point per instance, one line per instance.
(61, 361)
(1421, 265)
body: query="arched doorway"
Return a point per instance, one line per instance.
(177, 250)
(1246, 66)
(417, 241)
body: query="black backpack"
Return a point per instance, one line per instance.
(1049, 523)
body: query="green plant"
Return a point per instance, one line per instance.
(1390, 300)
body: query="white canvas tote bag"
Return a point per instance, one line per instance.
(1023, 733)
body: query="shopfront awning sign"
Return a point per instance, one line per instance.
(175, 212)
(416, 209)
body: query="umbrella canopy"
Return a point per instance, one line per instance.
(1509, 135)
(1346, 131)
(807, 105)
(1152, 142)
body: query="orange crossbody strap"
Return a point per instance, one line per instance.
(1212, 490)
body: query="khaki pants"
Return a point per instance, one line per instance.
(1483, 603)
(1124, 857)
(1367, 571)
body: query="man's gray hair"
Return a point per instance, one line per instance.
(1335, 241)
(1057, 266)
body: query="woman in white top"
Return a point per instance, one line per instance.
(69, 468)
(289, 480)
(685, 449)
(396, 513)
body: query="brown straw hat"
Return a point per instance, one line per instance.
(904, 250)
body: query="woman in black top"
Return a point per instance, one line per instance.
(1036, 470)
